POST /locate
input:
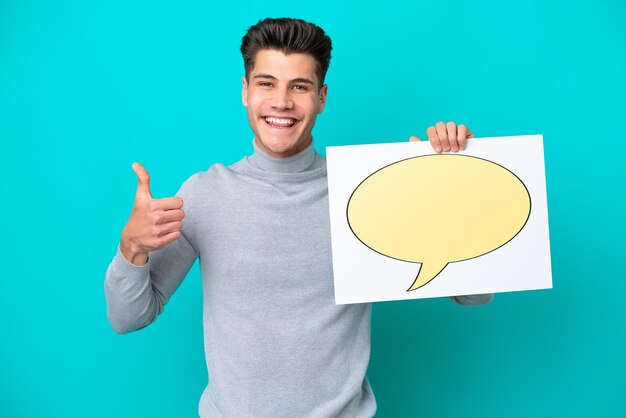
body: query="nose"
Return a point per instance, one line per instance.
(282, 99)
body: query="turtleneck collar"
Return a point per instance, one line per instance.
(302, 161)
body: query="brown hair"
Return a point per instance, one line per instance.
(288, 36)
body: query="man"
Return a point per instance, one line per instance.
(276, 344)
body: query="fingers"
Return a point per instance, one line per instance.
(452, 136)
(159, 234)
(143, 181)
(167, 239)
(469, 133)
(161, 227)
(433, 139)
(166, 229)
(414, 139)
(442, 133)
(170, 216)
(462, 136)
(448, 136)
(166, 203)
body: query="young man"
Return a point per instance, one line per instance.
(276, 344)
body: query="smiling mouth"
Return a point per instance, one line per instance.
(280, 123)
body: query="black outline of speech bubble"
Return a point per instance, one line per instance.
(530, 208)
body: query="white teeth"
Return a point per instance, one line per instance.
(280, 121)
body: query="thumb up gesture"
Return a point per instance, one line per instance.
(153, 223)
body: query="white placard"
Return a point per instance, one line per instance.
(367, 269)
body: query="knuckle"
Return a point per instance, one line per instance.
(153, 204)
(153, 218)
(158, 243)
(163, 241)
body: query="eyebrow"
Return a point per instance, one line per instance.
(295, 80)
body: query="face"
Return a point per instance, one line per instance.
(283, 100)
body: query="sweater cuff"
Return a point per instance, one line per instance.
(472, 300)
(125, 267)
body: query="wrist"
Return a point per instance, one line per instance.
(131, 252)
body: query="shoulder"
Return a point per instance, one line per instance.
(203, 184)
(198, 180)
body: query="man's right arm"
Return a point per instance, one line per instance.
(135, 295)
(152, 259)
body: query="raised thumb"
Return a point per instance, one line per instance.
(143, 181)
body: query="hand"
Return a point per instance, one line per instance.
(153, 223)
(447, 136)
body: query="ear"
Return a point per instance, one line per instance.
(244, 91)
(322, 97)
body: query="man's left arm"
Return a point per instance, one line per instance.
(448, 137)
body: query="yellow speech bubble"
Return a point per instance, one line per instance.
(438, 209)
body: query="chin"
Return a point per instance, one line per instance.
(283, 151)
(282, 147)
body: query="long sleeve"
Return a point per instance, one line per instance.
(135, 295)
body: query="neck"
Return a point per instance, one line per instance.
(286, 154)
(298, 162)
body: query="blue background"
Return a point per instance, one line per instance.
(86, 88)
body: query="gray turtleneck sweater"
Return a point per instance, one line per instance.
(276, 343)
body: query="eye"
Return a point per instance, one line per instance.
(300, 87)
(265, 84)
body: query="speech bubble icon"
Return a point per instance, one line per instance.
(438, 209)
